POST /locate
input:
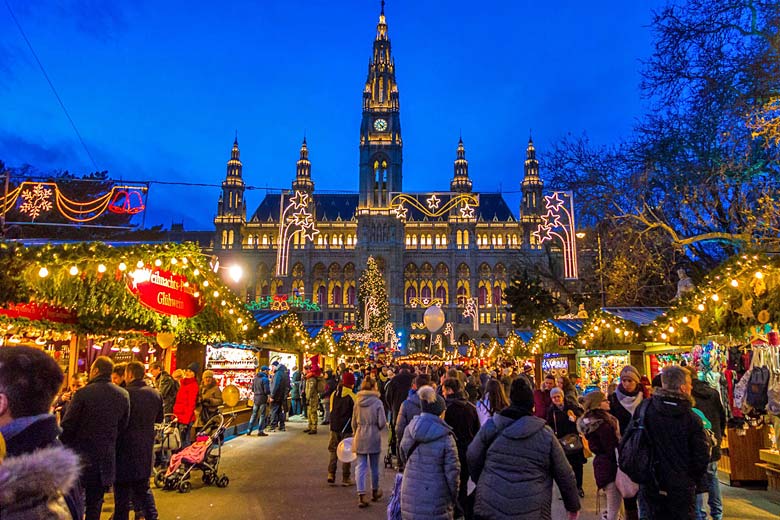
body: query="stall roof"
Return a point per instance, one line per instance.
(640, 315)
(568, 327)
(265, 317)
(525, 335)
(313, 330)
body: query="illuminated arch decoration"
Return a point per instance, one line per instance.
(433, 207)
(295, 219)
(558, 222)
(38, 198)
(471, 311)
(425, 302)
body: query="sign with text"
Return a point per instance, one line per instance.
(165, 292)
(39, 311)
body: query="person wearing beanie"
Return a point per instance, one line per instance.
(341, 406)
(186, 402)
(627, 397)
(368, 421)
(514, 460)
(431, 480)
(562, 418)
(462, 417)
(315, 385)
(261, 390)
(209, 397)
(602, 431)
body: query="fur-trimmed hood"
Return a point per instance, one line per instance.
(32, 485)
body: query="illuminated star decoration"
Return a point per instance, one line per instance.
(301, 218)
(36, 201)
(746, 309)
(300, 199)
(309, 231)
(543, 233)
(693, 324)
(467, 211)
(433, 202)
(400, 211)
(551, 219)
(554, 201)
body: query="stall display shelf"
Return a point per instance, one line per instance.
(740, 455)
(242, 379)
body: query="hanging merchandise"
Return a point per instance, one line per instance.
(601, 368)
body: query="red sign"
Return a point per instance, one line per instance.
(337, 328)
(39, 311)
(165, 292)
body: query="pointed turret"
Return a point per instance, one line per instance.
(532, 206)
(381, 90)
(461, 181)
(231, 207)
(303, 180)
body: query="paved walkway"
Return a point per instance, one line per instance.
(283, 476)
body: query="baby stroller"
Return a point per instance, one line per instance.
(204, 454)
(167, 440)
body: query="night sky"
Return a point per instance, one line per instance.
(158, 89)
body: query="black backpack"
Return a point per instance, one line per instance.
(758, 384)
(636, 449)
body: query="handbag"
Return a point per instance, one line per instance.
(627, 487)
(571, 443)
(171, 437)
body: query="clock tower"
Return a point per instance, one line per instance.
(380, 129)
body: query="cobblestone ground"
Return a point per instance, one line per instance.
(283, 476)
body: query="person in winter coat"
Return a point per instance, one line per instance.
(295, 392)
(562, 418)
(462, 417)
(166, 385)
(29, 380)
(708, 401)
(542, 401)
(602, 431)
(280, 390)
(411, 407)
(33, 485)
(341, 407)
(261, 390)
(186, 401)
(209, 398)
(330, 386)
(135, 447)
(680, 449)
(368, 420)
(314, 385)
(97, 415)
(61, 404)
(492, 402)
(514, 459)
(622, 404)
(396, 393)
(429, 489)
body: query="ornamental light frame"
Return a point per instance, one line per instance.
(559, 222)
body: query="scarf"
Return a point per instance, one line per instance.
(629, 402)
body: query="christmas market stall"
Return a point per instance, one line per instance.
(125, 301)
(730, 322)
(553, 347)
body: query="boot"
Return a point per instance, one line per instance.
(331, 478)
(362, 500)
(347, 482)
(376, 495)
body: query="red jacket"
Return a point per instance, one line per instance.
(186, 399)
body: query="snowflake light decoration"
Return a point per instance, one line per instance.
(36, 201)
(471, 312)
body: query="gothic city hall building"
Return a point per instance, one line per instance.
(444, 246)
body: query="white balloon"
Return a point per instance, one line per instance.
(434, 318)
(344, 451)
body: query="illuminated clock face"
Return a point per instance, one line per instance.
(380, 125)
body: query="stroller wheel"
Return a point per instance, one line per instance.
(185, 486)
(208, 479)
(388, 461)
(159, 479)
(223, 481)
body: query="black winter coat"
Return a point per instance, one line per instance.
(619, 411)
(462, 417)
(168, 388)
(43, 434)
(397, 391)
(97, 414)
(135, 445)
(680, 446)
(708, 401)
(341, 412)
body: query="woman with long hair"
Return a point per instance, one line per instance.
(493, 401)
(623, 402)
(368, 420)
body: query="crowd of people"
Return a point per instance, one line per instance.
(467, 442)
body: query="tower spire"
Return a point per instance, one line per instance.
(461, 181)
(303, 180)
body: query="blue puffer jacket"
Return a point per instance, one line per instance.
(409, 410)
(430, 485)
(514, 461)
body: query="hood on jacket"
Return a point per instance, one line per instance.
(31, 483)
(518, 428)
(592, 420)
(414, 399)
(702, 390)
(669, 402)
(427, 427)
(367, 397)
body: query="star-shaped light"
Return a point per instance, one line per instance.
(543, 234)
(554, 201)
(693, 324)
(309, 232)
(551, 220)
(400, 211)
(746, 309)
(433, 202)
(301, 218)
(300, 199)
(467, 211)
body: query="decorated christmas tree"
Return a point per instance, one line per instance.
(373, 310)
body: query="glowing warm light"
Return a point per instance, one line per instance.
(216, 294)
(224, 303)
(715, 297)
(196, 294)
(663, 335)
(236, 272)
(701, 307)
(205, 283)
(43, 272)
(140, 264)
(174, 261)
(230, 311)
(74, 271)
(671, 329)
(240, 320)
(122, 266)
(158, 262)
(196, 272)
(101, 268)
(685, 319)
(617, 330)
(759, 275)
(734, 283)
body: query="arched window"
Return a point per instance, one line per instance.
(351, 295)
(265, 239)
(497, 295)
(483, 296)
(425, 292)
(441, 293)
(462, 296)
(321, 296)
(444, 240)
(459, 238)
(337, 295)
(438, 240)
(465, 239)
(411, 293)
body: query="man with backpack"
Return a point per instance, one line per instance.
(669, 439)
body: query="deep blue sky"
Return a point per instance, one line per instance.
(158, 89)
